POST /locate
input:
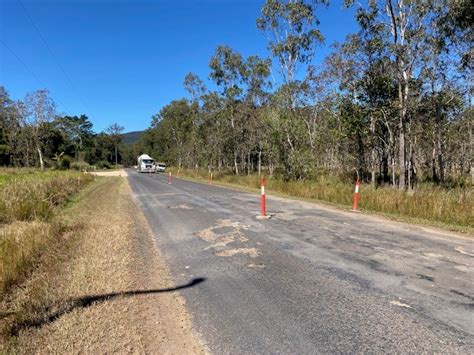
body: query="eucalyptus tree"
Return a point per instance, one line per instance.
(228, 71)
(366, 75)
(404, 23)
(407, 21)
(41, 109)
(9, 125)
(177, 119)
(293, 35)
(212, 130)
(196, 89)
(77, 131)
(256, 79)
(291, 26)
(114, 132)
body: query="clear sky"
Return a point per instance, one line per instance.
(121, 61)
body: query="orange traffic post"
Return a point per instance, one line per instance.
(170, 178)
(355, 203)
(263, 209)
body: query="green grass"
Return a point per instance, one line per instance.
(451, 209)
(33, 195)
(29, 204)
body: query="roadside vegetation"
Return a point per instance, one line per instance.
(93, 274)
(429, 204)
(30, 201)
(390, 105)
(34, 134)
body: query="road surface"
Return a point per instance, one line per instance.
(310, 279)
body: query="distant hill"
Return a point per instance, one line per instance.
(131, 137)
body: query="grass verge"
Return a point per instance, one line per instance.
(450, 209)
(99, 290)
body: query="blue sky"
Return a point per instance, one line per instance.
(121, 61)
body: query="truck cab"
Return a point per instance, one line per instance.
(146, 164)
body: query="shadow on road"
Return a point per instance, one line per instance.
(49, 316)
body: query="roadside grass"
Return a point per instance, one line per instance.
(29, 225)
(451, 209)
(81, 298)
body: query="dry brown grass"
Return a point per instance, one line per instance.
(64, 307)
(451, 208)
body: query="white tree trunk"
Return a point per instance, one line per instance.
(40, 156)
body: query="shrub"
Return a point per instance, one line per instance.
(81, 166)
(64, 163)
(103, 164)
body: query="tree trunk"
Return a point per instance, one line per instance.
(398, 23)
(40, 156)
(434, 176)
(440, 156)
(27, 154)
(373, 152)
(471, 153)
(248, 163)
(116, 159)
(401, 153)
(259, 162)
(236, 166)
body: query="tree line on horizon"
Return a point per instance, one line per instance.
(392, 104)
(33, 134)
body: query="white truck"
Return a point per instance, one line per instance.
(146, 164)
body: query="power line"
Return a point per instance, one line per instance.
(40, 82)
(28, 69)
(58, 63)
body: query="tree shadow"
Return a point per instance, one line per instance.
(86, 301)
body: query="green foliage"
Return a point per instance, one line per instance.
(33, 195)
(292, 27)
(103, 164)
(81, 166)
(64, 163)
(391, 104)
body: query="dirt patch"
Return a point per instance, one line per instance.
(400, 304)
(256, 266)
(252, 252)
(225, 232)
(120, 173)
(182, 207)
(109, 291)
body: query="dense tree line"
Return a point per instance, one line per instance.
(33, 134)
(391, 104)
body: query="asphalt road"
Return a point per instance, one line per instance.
(310, 279)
